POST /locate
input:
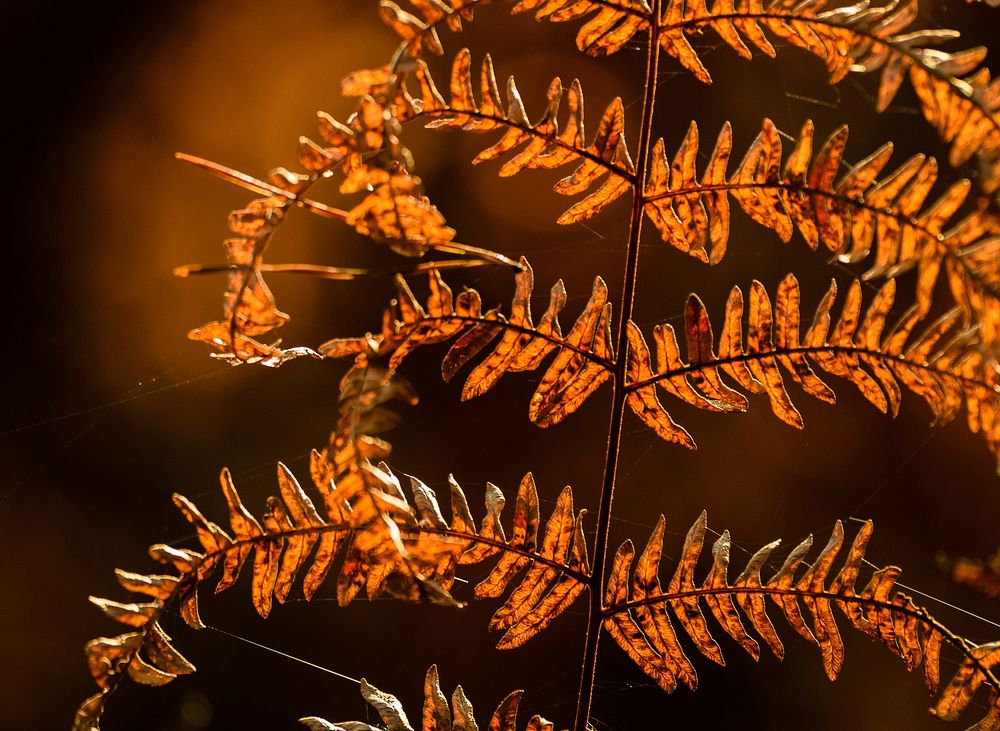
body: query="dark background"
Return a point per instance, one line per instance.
(109, 409)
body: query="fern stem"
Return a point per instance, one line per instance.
(954, 375)
(406, 533)
(559, 342)
(596, 617)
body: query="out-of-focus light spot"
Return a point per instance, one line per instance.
(196, 711)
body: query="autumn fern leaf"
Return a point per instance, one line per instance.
(610, 24)
(944, 364)
(379, 541)
(436, 714)
(539, 145)
(380, 556)
(583, 356)
(637, 613)
(363, 391)
(393, 212)
(956, 94)
(853, 214)
(546, 587)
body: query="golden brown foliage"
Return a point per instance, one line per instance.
(372, 534)
(851, 217)
(583, 357)
(956, 93)
(393, 212)
(367, 535)
(636, 613)
(542, 145)
(436, 714)
(944, 364)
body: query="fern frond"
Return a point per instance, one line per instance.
(146, 655)
(611, 23)
(637, 613)
(956, 94)
(415, 557)
(378, 540)
(609, 26)
(362, 391)
(944, 364)
(436, 714)
(393, 212)
(854, 215)
(583, 356)
(539, 145)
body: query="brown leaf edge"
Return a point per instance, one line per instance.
(583, 360)
(436, 715)
(637, 613)
(854, 215)
(944, 363)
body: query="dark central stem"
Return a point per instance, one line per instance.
(618, 399)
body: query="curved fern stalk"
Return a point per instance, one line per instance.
(637, 613)
(436, 714)
(583, 356)
(854, 215)
(539, 145)
(393, 212)
(944, 364)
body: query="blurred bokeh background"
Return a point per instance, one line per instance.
(108, 409)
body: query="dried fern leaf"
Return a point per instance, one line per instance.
(377, 540)
(637, 614)
(526, 145)
(944, 364)
(436, 714)
(363, 389)
(545, 589)
(112, 658)
(583, 357)
(855, 215)
(393, 212)
(956, 94)
(609, 26)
